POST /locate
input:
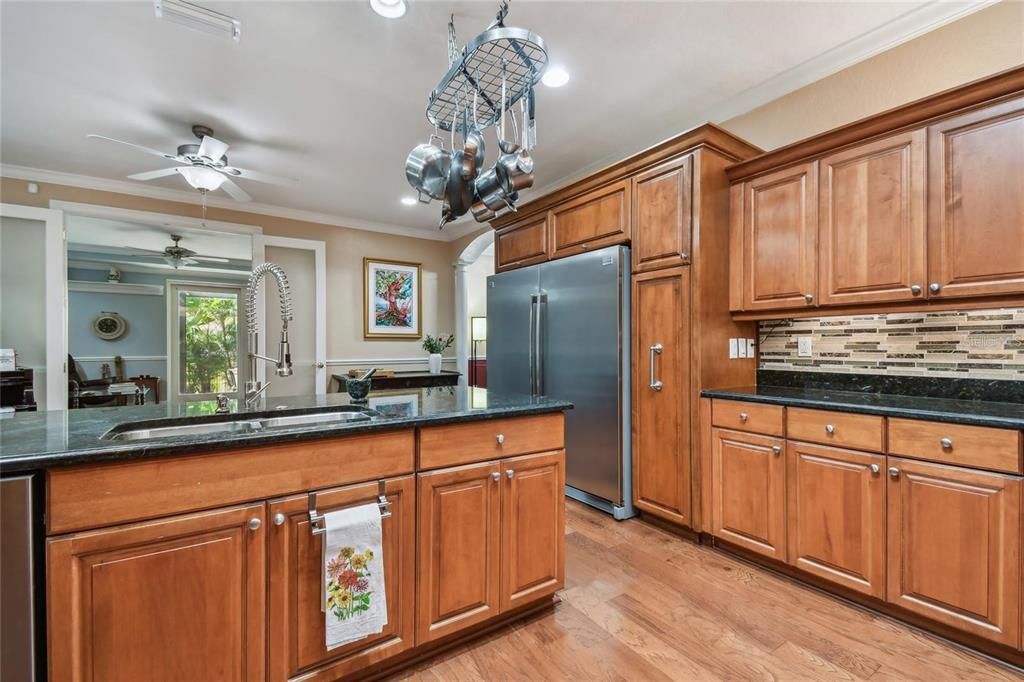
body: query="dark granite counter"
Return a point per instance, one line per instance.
(37, 440)
(976, 412)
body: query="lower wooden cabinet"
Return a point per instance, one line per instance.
(954, 547)
(473, 520)
(836, 515)
(181, 598)
(296, 618)
(749, 490)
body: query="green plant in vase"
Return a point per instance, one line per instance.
(435, 345)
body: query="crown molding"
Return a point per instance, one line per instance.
(252, 208)
(904, 28)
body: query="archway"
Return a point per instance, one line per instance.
(469, 256)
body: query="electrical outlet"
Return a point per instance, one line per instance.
(803, 347)
(734, 351)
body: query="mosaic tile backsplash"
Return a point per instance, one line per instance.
(981, 344)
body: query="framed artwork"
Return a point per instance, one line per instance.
(392, 299)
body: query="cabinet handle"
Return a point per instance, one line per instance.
(500, 438)
(685, 255)
(809, 298)
(830, 428)
(278, 519)
(743, 417)
(254, 524)
(495, 476)
(510, 472)
(777, 449)
(654, 382)
(875, 468)
(934, 287)
(894, 472)
(947, 443)
(915, 289)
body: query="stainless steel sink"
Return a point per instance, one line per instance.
(243, 424)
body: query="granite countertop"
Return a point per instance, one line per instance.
(37, 440)
(976, 412)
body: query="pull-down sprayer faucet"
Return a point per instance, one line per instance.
(283, 363)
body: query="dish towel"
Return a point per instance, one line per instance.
(356, 604)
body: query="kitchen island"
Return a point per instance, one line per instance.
(190, 555)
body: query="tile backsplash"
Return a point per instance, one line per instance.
(982, 344)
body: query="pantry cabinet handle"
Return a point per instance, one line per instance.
(654, 382)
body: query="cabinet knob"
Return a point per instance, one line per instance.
(496, 476)
(894, 472)
(510, 473)
(915, 289)
(684, 255)
(278, 519)
(830, 428)
(254, 524)
(809, 298)
(500, 438)
(743, 417)
(875, 468)
(947, 443)
(934, 287)
(777, 449)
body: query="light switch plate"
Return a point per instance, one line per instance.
(803, 347)
(734, 351)
(741, 348)
(751, 348)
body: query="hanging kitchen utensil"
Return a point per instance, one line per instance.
(427, 167)
(504, 145)
(473, 142)
(459, 193)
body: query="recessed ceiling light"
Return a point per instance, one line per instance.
(555, 77)
(392, 9)
(409, 201)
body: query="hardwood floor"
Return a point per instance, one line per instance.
(642, 604)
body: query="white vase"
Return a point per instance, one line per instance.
(434, 362)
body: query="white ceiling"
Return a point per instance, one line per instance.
(333, 95)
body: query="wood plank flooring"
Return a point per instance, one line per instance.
(642, 604)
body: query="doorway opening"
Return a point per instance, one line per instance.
(472, 268)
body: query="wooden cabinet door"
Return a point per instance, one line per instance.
(175, 599)
(532, 528)
(779, 239)
(591, 221)
(662, 215)
(296, 618)
(976, 203)
(521, 244)
(954, 546)
(459, 540)
(749, 484)
(836, 515)
(871, 241)
(661, 412)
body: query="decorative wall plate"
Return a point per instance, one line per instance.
(109, 326)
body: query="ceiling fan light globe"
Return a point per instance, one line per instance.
(390, 9)
(201, 178)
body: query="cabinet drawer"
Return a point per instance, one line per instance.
(522, 244)
(740, 416)
(454, 444)
(974, 446)
(857, 431)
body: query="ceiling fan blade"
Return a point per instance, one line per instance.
(153, 175)
(211, 259)
(257, 176)
(212, 148)
(236, 192)
(148, 150)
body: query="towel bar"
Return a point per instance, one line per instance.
(316, 519)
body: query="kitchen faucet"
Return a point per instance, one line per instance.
(283, 362)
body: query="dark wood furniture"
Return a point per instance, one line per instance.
(413, 379)
(17, 390)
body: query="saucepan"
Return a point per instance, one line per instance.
(427, 168)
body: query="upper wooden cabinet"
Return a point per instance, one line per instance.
(976, 190)
(775, 228)
(872, 222)
(520, 244)
(177, 599)
(662, 215)
(591, 221)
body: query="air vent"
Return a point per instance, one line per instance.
(199, 18)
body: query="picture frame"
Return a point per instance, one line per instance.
(392, 299)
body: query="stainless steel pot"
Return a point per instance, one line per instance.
(459, 194)
(427, 168)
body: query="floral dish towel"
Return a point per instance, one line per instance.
(356, 605)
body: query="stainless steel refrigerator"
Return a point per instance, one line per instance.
(561, 329)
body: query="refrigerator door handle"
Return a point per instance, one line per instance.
(655, 350)
(532, 346)
(538, 341)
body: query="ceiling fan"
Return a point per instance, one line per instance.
(177, 255)
(204, 165)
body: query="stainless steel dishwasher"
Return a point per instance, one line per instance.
(20, 580)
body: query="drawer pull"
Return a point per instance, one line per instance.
(743, 417)
(777, 449)
(875, 468)
(500, 438)
(830, 428)
(947, 443)
(894, 472)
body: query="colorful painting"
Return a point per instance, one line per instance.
(348, 586)
(391, 299)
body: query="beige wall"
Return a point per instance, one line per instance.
(986, 42)
(345, 251)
